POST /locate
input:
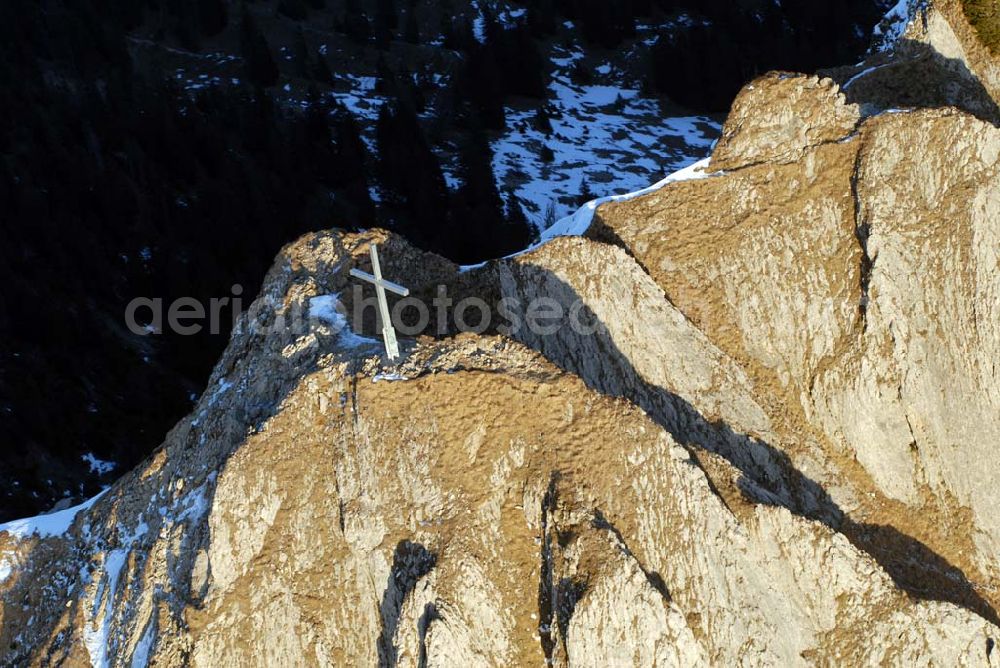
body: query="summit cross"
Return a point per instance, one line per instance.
(381, 285)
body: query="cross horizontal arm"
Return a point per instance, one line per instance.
(388, 285)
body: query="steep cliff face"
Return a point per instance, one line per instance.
(478, 505)
(857, 286)
(771, 442)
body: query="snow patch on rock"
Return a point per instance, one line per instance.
(604, 136)
(893, 25)
(329, 310)
(98, 466)
(95, 638)
(140, 657)
(578, 223)
(45, 526)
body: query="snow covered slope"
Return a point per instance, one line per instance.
(606, 138)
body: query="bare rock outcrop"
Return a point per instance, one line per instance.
(477, 506)
(778, 117)
(768, 439)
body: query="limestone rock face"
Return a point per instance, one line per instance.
(944, 27)
(781, 115)
(766, 435)
(858, 290)
(917, 397)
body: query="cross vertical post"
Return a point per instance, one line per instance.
(381, 285)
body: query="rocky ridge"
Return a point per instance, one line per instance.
(774, 448)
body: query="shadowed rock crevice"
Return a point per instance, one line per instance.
(570, 592)
(410, 562)
(654, 579)
(547, 594)
(429, 616)
(862, 231)
(917, 569)
(603, 233)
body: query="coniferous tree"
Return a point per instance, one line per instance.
(385, 78)
(542, 122)
(524, 68)
(484, 84)
(385, 22)
(585, 193)
(213, 16)
(258, 63)
(481, 84)
(541, 18)
(127, 15)
(411, 176)
(478, 218)
(516, 224)
(489, 25)
(184, 19)
(316, 145)
(321, 71)
(580, 74)
(458, 35)
(385, 12)
(411, 32)
(642, 7)
(353, 177)
(415, 94)
(476, 210)
(355, 23)
(602, 23)
(297, 10)
(381, 35)
(300, 54)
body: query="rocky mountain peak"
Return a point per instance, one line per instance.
(769, 439)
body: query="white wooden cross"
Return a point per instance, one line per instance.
(381, 285)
